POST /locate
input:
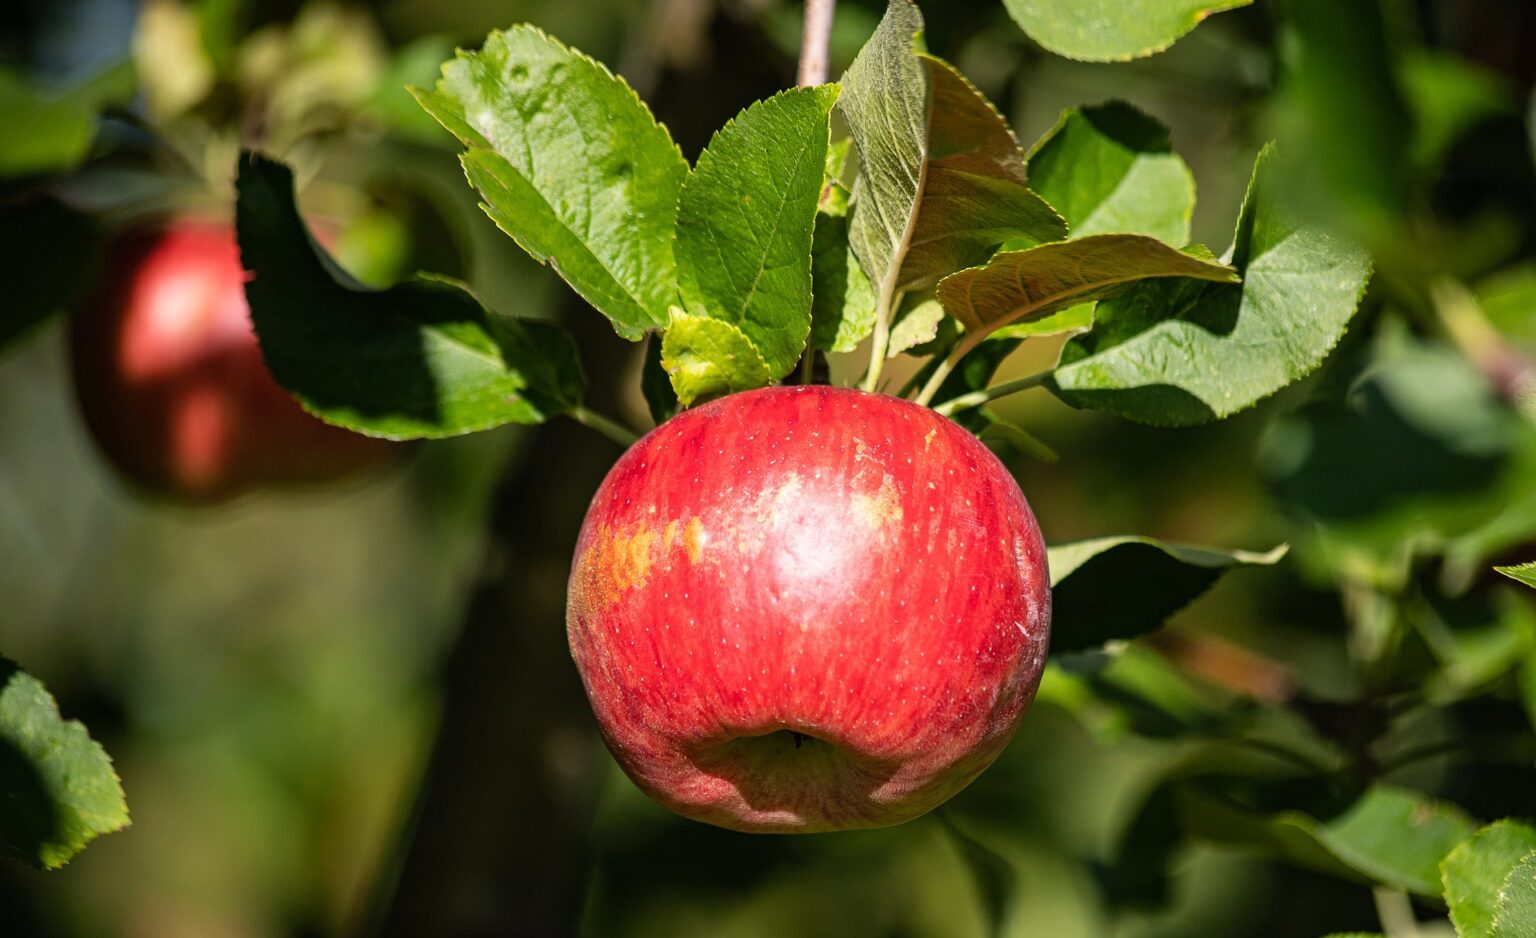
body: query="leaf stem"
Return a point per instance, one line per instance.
(881, 340)
(977, 398)
(815, 41)
(1395, 912)
(947, 366)
(608, 427)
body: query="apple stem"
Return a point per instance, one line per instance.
(977, 398)
(814, 42)
(610, 428)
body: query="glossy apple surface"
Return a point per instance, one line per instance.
(171, 380)
(808, 609)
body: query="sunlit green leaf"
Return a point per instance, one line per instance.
(1525, 573)
(1177, 352)
(707, 358)
(745, 224)
(572, 165)
(1017, 286)
(1473, 873)
(942, 179)
(975, 193)
(1515, 912)
(58, 791)
(1110, 168)
(917, 323)
(1111, 30)
(885, 102)
(420, 359)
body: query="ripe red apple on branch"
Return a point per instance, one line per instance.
(171, 380)
(808, 609)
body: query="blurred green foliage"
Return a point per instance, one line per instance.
(267, 675)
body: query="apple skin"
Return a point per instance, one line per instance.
(170, 378)
(808, 609)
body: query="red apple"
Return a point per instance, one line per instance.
(808, 609)
(172, 383)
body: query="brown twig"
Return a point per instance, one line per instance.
(814, 42)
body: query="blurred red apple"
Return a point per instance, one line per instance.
(808, 609)
(171, 380)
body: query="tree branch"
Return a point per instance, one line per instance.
(814, 42)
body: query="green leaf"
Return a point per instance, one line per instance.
(1111, 168)
(44, 279)
(942, 180)
(1514, 916)
(655, 385)
(1113, 588)
(1182, 352)
(1390, 835)
(1016, 437)
(46, 131)
(885, 102)
(745, 224)
(58, 791)
(1111, 30)
(708, 358)
(1073, 319)
(916, 324)
(1525, 573)
(1023, 285)
(1473, 873)
(572, 165)
(420, 359)
(842, 301)
(975, 193)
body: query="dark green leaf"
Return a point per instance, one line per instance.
(420, 359)
(1525, 573)
(655, 386)
(745, 223)
(1473, 873)
(1515, 914)
(44, 279)
(1015, 436)
(45, 131)
(1113, 588)
(1180, 352)
(842, 301)
(1111, 30)
(572, 165)
(1111, 168)
(1024, 285)
(58, 791)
